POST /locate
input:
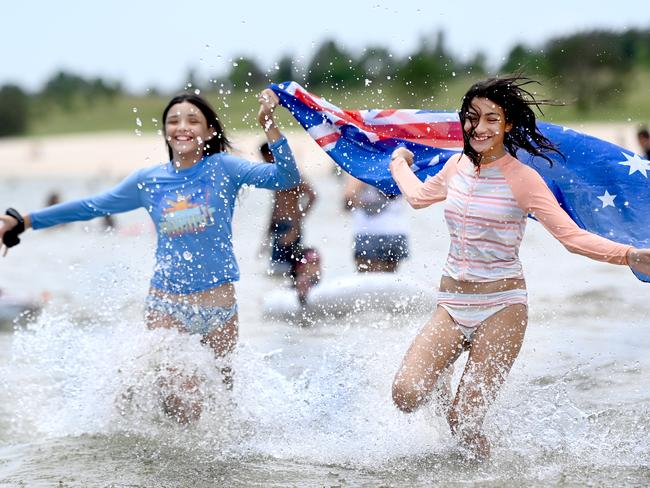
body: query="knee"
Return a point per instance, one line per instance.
(405, 398)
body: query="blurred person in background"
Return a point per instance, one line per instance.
(285, 230)
(643, 137)
(378, 226)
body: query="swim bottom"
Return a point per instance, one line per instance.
(195, 319)
(389, 248)
(283, 257)
(469, 311)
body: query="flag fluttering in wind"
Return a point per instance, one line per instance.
(603, 187)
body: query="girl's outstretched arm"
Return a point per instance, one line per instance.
(123, 197)
(535, 198)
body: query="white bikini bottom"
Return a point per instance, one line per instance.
(470, 310)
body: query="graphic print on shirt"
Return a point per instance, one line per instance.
(187, 213)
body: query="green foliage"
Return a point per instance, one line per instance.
(284, 70)
(65, 90)
(334, 67)
(14, 111)
(591, 67)
(377, 63)
(476, 66)
(428, 69)
(245, 73)
(523, 59)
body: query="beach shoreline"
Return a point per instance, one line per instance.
(116, 154)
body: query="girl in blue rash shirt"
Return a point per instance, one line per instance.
(190, 200)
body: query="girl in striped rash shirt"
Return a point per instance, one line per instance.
(482, 302)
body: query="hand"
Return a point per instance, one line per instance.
(402, 152)
(268, 102)
(6, 223)
(639, 260)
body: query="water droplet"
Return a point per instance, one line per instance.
(187, 256)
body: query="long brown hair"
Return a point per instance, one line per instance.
(516, 101)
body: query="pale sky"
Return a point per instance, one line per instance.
(154, 43)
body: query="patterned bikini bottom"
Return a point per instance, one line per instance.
(195, 319)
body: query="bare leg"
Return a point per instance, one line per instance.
(223, 341)
(433, 350)
(365, 265)
(495, 346)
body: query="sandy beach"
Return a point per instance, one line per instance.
(117, 154)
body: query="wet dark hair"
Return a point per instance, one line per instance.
(218, 143)
(643, 132)
(516, 101)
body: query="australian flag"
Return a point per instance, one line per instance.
(603, 187)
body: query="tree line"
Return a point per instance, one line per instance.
(590, 68)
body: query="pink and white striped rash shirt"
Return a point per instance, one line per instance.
(486, 213)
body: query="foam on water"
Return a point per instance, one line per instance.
(80, 389)
(324, 402)
(69, 379)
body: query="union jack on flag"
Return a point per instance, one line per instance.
(361, 141)
(603, 187)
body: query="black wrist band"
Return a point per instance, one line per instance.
(20, 228)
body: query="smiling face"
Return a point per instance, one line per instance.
(485, 124)
(186, 132)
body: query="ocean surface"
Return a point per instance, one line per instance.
(311, 406)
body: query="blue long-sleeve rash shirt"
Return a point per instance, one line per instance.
(192, 210)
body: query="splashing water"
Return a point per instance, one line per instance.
(323, 399)
(81, 387)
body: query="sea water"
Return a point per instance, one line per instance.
(80, 385)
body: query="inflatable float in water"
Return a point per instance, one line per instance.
(363, 292)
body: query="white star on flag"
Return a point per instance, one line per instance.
(636, 163)
(607, 199)
(434, 160)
